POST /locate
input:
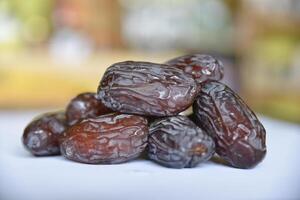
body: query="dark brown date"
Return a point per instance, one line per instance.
(240, 138)
(202, 67)
(146, 88)
(85, 105)
(41, 136)
(177, 142)
(107, 139)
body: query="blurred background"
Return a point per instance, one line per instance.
(51, 50)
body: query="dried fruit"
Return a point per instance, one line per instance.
(202, 67)
(146, 88)
(177, 142)
(107, 139)
(240, 137)
(85, 105)
(41, 136)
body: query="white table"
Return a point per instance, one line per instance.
(25, 177)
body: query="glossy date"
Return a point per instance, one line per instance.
(41, 137)
(146, 88)
(107, 139)
(85, 105)
(240, 137)
(177, 142)
(202, 67)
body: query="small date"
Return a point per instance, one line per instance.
(201, 66)
(41, 137)
(146, 88)
(85, 105)
(107, 139)
(240, 137)
(176, 142)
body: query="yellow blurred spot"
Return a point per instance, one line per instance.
(36, 29)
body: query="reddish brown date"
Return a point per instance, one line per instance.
(107, 139)
(202, 67)
(240, 138)
(177, 142)
(85, 105)
(146, 88)
(41, 136)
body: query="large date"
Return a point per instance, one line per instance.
(240, 137)
(177, 142)
(146, 88)
(107, 139)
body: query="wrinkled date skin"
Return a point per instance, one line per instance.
(146, 88)
(41, 137)
(176, 142)
(240, 138)
(85, 105)
(107, 139)
(202, 67)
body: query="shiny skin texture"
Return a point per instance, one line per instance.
(85, 105)
(201, 66)
(240, 137)
(41, 137)
(107, 139)
(146, 88)
(176, 142)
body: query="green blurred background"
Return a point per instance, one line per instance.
(51, 50)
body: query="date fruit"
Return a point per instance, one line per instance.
(146, 88)
(240, 137)
(177, 142)
(85, 105)
(107, 139)
(202, 67)
(41, 137)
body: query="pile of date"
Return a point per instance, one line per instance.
(139, 111)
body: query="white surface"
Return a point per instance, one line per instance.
(23, 176)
